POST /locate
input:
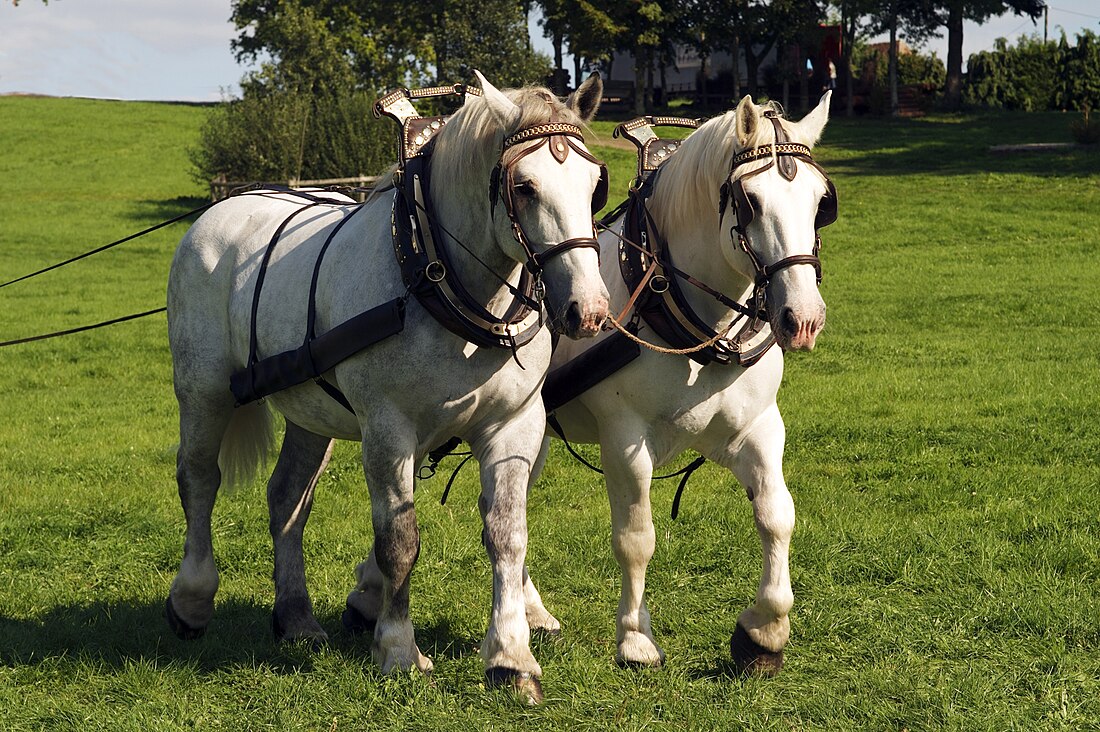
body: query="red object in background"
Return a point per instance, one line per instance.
(830, 42)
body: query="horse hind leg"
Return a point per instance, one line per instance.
(302, 459)
(204, 425)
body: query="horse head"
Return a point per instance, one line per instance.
(525, 147)
(779, 198)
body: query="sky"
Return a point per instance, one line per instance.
(178, 50)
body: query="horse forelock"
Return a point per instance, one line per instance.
(473, 134)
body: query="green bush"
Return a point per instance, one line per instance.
(287, 135)
(914, 69)
(1034, 75)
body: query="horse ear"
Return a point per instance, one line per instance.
(585, 101)
(811, 126)
(503, 109)
(746, 120)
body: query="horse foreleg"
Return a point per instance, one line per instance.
(764, 628)
(389, 471)
(302, 459)
(538, 617)
(629, 471)
(507, 459)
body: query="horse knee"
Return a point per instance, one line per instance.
(773, 511)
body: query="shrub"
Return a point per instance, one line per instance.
(1086, 130)
(286, 135)
(1035, 75)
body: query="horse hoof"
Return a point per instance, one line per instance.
(526, 686)
(356, 622)
(182, 630)
(316, 641)
(751, 658)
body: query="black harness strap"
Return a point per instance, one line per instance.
(570, 380)
(318, 354)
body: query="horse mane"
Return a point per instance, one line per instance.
(691, 179)
(472, 137)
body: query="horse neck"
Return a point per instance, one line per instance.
(699, 244)
(463, 211)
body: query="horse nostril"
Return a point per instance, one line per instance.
(573, 317)
(788, 320)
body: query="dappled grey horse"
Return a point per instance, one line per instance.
(405, 394)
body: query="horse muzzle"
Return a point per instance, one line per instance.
(584, 318)
(797, 329)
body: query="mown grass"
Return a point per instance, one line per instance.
(942, 446)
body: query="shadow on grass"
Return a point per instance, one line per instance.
(954, 145)
(117, 635)
(150, 212)
(720, 669)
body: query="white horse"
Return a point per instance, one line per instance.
(409, 392)
(660, 404)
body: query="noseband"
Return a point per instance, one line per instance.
(559, 139)
(783, 153)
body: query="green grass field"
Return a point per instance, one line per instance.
(942, 452)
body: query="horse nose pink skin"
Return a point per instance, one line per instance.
(801, 332)
(585, 320)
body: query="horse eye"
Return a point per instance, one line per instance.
(526, 189)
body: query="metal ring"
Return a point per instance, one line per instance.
(435, 271)
(659, 284)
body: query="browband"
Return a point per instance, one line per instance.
(544, 130)
(766, 151)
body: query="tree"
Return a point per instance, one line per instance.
(918, 19)
(856, 24)
(489, 35)
(979, 11)
(393, 42)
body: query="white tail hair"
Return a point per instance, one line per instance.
(248, 441)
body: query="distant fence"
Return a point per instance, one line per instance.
(362, 185)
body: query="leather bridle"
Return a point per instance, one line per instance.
(646, 262)
(783, 153)
(558, 137)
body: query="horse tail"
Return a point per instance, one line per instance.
(248, 442)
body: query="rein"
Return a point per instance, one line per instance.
(255, 189)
